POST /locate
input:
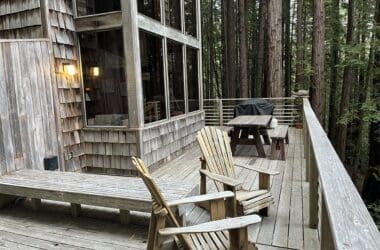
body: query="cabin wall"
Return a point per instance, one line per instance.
(163, 141)
(62, 34)
(109, 151)
(20, 19)
(28, 131)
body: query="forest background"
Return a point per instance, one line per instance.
(270, 48)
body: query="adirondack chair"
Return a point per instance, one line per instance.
(219, 234)
(217, 165)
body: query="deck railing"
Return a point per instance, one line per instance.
(336, 208)
(287, 110)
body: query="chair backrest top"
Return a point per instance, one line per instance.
(216, 150)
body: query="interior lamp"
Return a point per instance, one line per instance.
(69, 69)
(95, 71)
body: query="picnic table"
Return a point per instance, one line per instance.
(249, 124)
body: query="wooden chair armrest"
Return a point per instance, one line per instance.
(221, 178)
(263, 171)
(213, 226)
(202, 198)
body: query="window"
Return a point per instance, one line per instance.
(150, 8)
(152, 70)
(105, 87)
(173, 13)
(176, 82)
(191, 17)
(90, 7)
(192, 78)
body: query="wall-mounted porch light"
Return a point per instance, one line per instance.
(69, 69)
(95, 71)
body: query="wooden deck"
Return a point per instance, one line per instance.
(98, 228)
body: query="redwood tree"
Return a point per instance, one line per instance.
(318, 59)
(274, 81)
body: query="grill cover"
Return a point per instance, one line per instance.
(255, 106)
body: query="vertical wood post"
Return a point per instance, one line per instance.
(220, 108)
(307, 155)
(326, 239)
(75, 210)
(36, 204)
(314, 196)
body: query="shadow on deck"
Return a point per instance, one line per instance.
(98, 228)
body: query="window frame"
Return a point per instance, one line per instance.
(129, 19)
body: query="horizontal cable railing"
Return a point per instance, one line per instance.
(287, 110)
(335, 208)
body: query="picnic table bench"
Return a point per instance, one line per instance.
(278, 135)
(124, 193)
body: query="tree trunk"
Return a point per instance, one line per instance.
(230, 51)
(348, 80)
(318, 59)
(374, 143)
(243, 51)
(288, 49)
(300, 63)
(259, 79)
(274, 84)
(334, 69)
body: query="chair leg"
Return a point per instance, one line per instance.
(239, 238)
(273, 150)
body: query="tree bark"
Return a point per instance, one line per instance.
(230, 51)
(334, 70)
(300, 63)
(243, 51)
(374, 143)
(259, 73)
(288, 49)
(318, 59)
(274, 84)
(348, 80)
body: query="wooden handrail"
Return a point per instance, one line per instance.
(345, 221)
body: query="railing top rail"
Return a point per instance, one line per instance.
(351, 225)
(242, 99)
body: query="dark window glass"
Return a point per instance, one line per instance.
(90, 7)
(191, 17)
(173, 13)
(152, 77)
(176, 85)
(192, 78)
(150, 8)
(105, 87)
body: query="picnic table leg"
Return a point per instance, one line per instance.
(258, 143)
(265, 137)
(234, 139)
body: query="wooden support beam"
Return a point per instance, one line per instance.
(99, 22)
(326, 238)
(5, 200)
(125, 216)
(75, 210)
(36, 204)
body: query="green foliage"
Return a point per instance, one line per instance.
(374, 209)
(372, 114)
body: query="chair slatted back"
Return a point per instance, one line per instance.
(216, 150)
(159, 201)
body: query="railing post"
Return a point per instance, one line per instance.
(314, 191)
(220, 108)
(326, 237)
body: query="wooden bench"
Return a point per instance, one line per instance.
(123, 193)
(278, 136)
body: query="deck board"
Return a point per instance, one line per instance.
(98, 228)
